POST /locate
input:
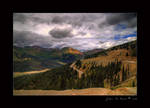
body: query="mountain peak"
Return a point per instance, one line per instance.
(71, 50)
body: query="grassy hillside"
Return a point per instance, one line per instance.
(59, 78)
(123, 56)
(64, 78)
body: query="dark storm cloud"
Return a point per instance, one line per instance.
(79, 20)
(24, 18)
(20, 36)
(57, 19)
(74, 21)
(60, 33)
(26, 38)
(132, 23)
(116, 18)
(19, 17)
(103, 24)
(39, 20)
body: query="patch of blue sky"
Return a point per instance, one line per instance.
(118, 37)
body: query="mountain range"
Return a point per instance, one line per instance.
(111, 68)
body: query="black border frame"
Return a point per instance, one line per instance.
(81, 99)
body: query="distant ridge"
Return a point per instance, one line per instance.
(30, 58)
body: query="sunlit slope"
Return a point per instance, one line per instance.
(126, 54)
(71, 51)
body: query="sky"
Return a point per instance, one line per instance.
(81, 31)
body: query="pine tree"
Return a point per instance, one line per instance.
(58, 85)
(68, 84)
(128, 71)
(63, 83)
(123, 74)
(78, 63)
(133, 84)
(115, 81)
(84, 67)
(118, 79)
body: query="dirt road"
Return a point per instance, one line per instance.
(80, 72)
(16, 74)
(89, 91)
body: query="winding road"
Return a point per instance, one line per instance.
(16, 74)
(74, 68)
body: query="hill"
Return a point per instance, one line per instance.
(116, 64)
(111, 68)
(68, 50)
(38, 58)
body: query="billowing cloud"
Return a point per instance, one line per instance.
(82, 31)
(60, 33)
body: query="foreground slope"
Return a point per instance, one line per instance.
(89, 91)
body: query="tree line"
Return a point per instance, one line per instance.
(64, 77)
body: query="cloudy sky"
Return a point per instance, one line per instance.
(82, 31)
